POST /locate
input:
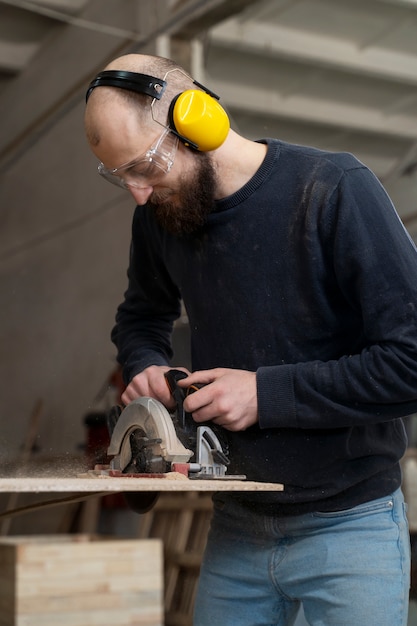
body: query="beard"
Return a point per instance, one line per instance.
(193, 202)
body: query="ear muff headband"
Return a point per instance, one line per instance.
(132, 81)
(195, 116)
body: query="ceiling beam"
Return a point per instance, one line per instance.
(46, 7)
(293, 44)
(205, 14)
(15, 55)
(401, 3)
(313, 110)
(68, 6)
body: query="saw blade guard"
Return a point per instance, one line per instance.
(154, 420)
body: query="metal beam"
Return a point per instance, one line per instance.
(314, 110)
(280, 41)
(14, 56)
(204, 15)
(68, 6)
(401, 3)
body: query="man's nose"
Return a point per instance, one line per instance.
(141, 194)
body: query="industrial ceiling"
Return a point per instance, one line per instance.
(338, 74)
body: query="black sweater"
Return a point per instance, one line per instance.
(306, 276)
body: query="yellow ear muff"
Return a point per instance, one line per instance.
(200, 119)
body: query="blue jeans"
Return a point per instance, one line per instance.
(349, 568)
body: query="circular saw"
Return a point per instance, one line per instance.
(147, 439)
(144, 439)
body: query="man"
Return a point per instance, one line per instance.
(300, 285)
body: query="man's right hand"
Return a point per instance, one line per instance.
(151, 383)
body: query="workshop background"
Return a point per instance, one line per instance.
(335, 74)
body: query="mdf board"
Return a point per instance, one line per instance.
(77, 580)
(165, 482)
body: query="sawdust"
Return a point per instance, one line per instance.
(62, 466)
(103, 473)
(93, 474)
(176, 476)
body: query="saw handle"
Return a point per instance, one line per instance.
(172, 377)
(179, 393)
(212, 432)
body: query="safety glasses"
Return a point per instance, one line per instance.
(146, 170)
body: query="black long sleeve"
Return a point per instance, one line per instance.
(306, 276)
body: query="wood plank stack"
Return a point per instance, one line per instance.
(75, 580)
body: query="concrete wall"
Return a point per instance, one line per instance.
(64, 240)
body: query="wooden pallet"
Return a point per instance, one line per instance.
(182, 523)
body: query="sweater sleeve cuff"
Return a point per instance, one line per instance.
(276, 401)
(137, 365)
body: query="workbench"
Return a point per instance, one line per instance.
(179, 522)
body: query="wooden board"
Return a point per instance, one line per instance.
(78, 581)
(40, 484)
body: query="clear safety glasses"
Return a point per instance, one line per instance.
(146, 170)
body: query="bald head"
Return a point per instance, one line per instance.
(143, 63)
(105, 102)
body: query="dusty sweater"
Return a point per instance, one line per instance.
(306, 276)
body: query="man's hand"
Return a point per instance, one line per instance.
(228, 398)
(151, 383)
